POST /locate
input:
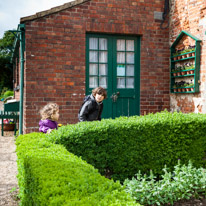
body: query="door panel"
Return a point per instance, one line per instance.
(113, 62)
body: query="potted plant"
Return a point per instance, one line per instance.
(190, 50)
(178, 53)
(186, 85)
(8, 125)
(193, 50)
(181, 86)
(187, 50)
(175, 55)
(182, 71)
(174, 72)
(188, 66)
(175, 87)
(182, 52)
(179, 89)
(192, 71)
(191, 86)
(178, 69)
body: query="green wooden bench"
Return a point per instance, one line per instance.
(11, 111)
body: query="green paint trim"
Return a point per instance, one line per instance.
(196, 75)
(182, 33)
(22, 48)
(112, 65)
(20, 41)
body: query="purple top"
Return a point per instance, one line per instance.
(46, 124)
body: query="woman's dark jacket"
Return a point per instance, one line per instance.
(91, 110)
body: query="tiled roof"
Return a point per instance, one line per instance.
(52, 10)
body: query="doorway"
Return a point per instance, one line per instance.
(113, 62)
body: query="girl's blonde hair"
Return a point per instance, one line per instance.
(48, 110)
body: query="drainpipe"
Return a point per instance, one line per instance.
(20, 35)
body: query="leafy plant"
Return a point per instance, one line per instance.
(6, 93)
(189, 49)
(183, 183)
(188, 66)
(6, 73)
(192, 47)
(50, 175)
(182, 51)
(178, 68)
(176, 54)
(180, 84)
(13, 189)
(175, 86)
(186, 84)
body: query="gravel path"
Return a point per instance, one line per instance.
(8, 170)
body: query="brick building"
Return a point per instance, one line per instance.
(122, 45)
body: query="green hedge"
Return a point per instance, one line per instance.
(49, 175)
(120, 148)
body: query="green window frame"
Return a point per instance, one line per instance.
(98, 62)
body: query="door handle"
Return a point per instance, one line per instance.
(114, 96)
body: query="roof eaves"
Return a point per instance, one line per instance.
(52, 10)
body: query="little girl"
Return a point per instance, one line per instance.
(49, 118)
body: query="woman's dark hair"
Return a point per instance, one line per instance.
(100, 91)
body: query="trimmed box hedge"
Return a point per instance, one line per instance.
(120, 148)
(49, 175)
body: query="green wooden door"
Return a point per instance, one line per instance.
(113, 62)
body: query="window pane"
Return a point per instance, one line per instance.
(103, 69)
(121, 70)
(102, 44)
(130, 57)
(130, 70)
(120, 45)
(130, 82)
(93, 56)
(130, 45)
(93, 69)
(93, 43)
(103, 82)
(120, 82)
(103, 57)
(120, 57)
(93, 82)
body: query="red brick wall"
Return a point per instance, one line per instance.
(55, 55)
(190, 16)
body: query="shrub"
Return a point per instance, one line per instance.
(6, 93)
(184, 182)
(118, 148)
(49, 175)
